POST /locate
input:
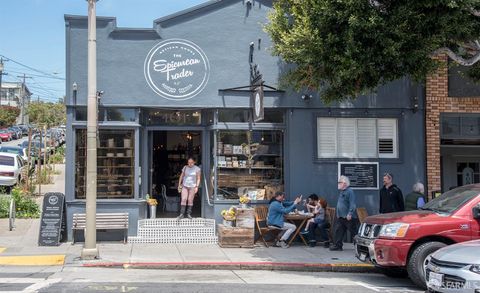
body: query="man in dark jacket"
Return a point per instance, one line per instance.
(391, 197)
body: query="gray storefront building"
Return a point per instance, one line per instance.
(182, 88)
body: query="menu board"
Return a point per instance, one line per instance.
(52, 219)
(362, 175)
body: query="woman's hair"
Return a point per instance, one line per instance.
(323, 202)
(418, 187)
(313, 196)
(191, 158)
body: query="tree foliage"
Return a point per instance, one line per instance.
(345, 48)
(8, 115)
(49, 114)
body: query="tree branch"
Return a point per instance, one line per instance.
(459, 59)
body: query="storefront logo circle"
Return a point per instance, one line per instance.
(53, 200)
(177, 69)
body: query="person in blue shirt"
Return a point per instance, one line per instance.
(277, 209)
(345, 212)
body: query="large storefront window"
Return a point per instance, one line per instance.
(248, 163)
(115, 163)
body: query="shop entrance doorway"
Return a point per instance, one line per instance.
(170, 151)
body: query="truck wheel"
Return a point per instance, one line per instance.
(417, 258)
(393, 272)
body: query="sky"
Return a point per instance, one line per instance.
(32, 35)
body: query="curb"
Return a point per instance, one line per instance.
(267, 266)
(33, 260)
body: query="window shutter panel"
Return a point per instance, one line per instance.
(366, 138)
(346, 137)
(327, 137)
(387, 138)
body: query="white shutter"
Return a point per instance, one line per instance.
(346, 137)
(327, 137)
(387, 138)
(366, 138)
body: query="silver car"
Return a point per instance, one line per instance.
(455, 268)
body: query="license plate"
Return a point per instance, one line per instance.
(362, 256)
(435, 280)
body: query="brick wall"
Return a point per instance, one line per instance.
(437, 102)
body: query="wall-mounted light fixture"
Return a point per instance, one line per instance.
(414, 104)
(74, 89)
(307, 97)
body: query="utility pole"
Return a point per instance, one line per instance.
(22, 103)
(90, 250)
(1, 74)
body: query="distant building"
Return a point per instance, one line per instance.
(16, 94)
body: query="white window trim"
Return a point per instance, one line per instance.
(394, 137)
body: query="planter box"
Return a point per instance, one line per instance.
(245, 218)
(235, 237)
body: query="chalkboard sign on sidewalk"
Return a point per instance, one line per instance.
(52, 219)
(362, 175)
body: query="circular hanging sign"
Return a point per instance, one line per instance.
(177, 69)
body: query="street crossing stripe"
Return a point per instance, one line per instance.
(33, 260)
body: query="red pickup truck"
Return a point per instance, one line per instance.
(398, 243)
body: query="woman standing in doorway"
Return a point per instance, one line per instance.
(188, 187)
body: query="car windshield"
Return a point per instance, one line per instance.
(452, 200)
(7, 161)
(11, 150)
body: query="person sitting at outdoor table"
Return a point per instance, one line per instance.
(319, 221)
(311, 203)
(277, 209)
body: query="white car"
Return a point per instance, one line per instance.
(12, 169)
(455, 268)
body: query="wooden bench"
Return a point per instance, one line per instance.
(111, 221)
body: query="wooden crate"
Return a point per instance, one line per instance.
(234, 237)
(245, 218)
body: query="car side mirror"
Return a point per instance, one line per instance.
(476, 212)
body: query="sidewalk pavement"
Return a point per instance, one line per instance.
(21, 248)
(58, 180)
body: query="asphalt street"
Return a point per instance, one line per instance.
(79, 279)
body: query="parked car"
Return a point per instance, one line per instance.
(5, 135)
(37, 149)
(398, 243)
(455, 268)
(12, 169)
(15, 133)
(18, 130)
(24, 129)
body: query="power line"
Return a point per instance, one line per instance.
(31, 68)
(37, 75)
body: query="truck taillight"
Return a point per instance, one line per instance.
(7, 174)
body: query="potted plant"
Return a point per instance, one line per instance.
(152, 204)
(229, 216)
(244, 201)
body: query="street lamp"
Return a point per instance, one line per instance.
(90, 250)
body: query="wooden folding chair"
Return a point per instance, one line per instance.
(362, 214)
(261, 213)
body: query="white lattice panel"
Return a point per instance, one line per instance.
(198, 222)
(176, 232)
(204, 240)
(194, 231)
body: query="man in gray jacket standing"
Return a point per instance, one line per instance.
(346, 213)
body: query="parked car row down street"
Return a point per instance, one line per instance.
(14, 158)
